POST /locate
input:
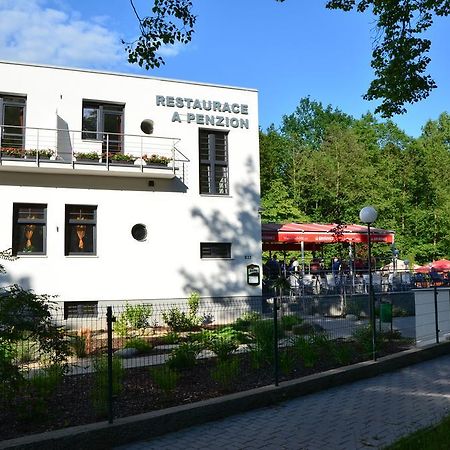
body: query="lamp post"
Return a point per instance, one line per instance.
(368, 215)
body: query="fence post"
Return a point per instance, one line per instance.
(436, 318)
(109, 322)
(275, 337)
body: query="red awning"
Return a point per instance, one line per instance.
(442, 265)
(290, 236)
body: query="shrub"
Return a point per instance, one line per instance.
(136, 317)
(165, 378)
(287, 362)
(100, 388)
(141, 345)
(287, 322)
(341, 353)
(226, 372)
(178, 320)
(27, 317)
(171, 338)
(262, 345)
(184, 356)
(223, 342)
(363, 337)
(306, 328)
(244, 322)
(305, 350)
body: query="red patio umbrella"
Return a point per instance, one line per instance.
(442, 265)
(422, 269)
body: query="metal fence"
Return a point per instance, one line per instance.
(133, 358)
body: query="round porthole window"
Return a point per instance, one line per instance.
(139, 232)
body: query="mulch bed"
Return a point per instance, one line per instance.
(71, 403)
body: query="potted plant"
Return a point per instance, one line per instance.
(44, 153)
(121, 158)
(156, 160)
(87, 156)
(12, 152)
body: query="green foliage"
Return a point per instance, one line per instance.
(178, 320)
(171, 338)
(165, 378)
(305, 350)
(287, 361)
(184, 356)
(140, 344)
(78, 344)
(363, 336)
(27, 323)
(134, 317)
(341, 353)
(262, 333)
(244, 322)
(222, 342)
(100, 388)
(226, 372)
(287, 322)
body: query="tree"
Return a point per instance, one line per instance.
(399, 57)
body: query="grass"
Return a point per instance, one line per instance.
(430, 438)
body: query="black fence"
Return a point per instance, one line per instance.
(132, 358)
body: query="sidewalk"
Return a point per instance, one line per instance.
(367, 414)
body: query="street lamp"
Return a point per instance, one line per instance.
(368, 215)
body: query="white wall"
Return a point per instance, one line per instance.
(168, 263)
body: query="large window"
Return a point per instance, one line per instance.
(213, 148)
(221, 250)
(12, 121)
(29, 229)
(81, 221)
(103, 122)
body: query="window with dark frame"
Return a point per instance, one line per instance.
(221, 250)
(29, 229)
(213, 156)
(81, 233)
(75, 310)
(103, 122)
(12, 121)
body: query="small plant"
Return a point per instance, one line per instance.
(171, 338)
(141, 345)
(12, 152)
(156, 159)
(43, 153)
(184, 356)
(287, 362)
(244, 322)
(90, 156)
(223, 342)
(136, 317)
(100, 388)
(363, 337)
(341, 353)
(178, 320)
(262, 345)
(226, 372)
(287, 322)
(120, 157)
(165, 378)
(305, 350)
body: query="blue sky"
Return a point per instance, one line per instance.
(287, 51)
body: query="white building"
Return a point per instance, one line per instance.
(104, 230)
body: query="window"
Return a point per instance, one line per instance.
(29, 229)
(213, 149)
(12, 121)
(215, 250)
(73, 310)
(81, 221)
(103, 122)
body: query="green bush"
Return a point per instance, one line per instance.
(287, 361)
(134, 317)
(244, 322)
(223, 342)
(304, 328)
(305, 350)
(262, 344)
(172, 337)
(363, 337)
(287, 322)
(341, 353)
(165, 378)
(140, 344)
(226, 372)
(100, 387)
(184, 356)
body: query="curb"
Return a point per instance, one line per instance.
(103, 435)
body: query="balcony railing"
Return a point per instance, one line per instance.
(28, 148)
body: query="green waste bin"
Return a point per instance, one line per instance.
(386, 312)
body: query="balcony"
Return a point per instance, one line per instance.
(63, 151)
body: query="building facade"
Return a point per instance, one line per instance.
(119, 187)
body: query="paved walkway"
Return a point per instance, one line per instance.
(368, 414)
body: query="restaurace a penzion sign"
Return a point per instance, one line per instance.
(192, 110)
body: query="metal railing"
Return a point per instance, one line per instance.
(78, 148)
